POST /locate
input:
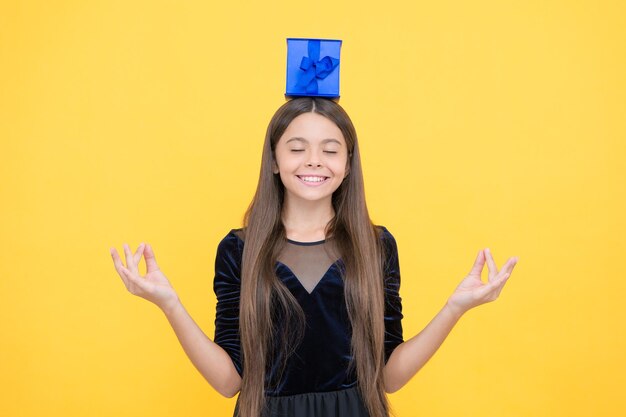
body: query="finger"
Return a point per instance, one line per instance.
(151, 263)
(508, 267)
(130, 264)
(478, 264)
(137, 254)
(500, 285)
(117, 262)
(128, 278)
(491, 264)
(116, 258)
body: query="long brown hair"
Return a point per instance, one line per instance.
(263, 294)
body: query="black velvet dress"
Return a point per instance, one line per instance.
(317, 380)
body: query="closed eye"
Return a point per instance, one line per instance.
(302, 150)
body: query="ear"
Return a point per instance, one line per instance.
(275, 169)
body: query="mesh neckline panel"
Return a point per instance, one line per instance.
(309, 262)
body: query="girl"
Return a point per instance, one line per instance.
(308, 316)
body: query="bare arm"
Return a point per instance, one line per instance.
(409, 357)
(209, 358)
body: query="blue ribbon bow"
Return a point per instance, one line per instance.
(314, 68)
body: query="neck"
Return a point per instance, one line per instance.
(306, 220)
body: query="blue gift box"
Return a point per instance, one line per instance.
(313, 67)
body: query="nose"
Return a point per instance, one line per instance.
(313, 160)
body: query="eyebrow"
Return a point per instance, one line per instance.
(304, 140)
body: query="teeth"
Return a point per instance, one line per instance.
(313, 179)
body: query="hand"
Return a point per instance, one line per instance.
(154, 287)
(472, 292)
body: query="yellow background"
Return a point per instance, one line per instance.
(482, 124)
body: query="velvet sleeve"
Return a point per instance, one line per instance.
(227, 285)
(393, 301)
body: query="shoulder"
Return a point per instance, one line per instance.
(385, 235)
(389, 247)
(382, 229)
(235, 236)
(239, 233)
(232, 243)
(228, 260)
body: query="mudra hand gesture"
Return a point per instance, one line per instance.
(472, 291)
(154, 286)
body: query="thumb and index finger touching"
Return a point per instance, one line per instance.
(484, 256)
(132, 260)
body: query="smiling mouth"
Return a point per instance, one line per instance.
(312, 179)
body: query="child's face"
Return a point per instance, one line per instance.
(311, 158)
